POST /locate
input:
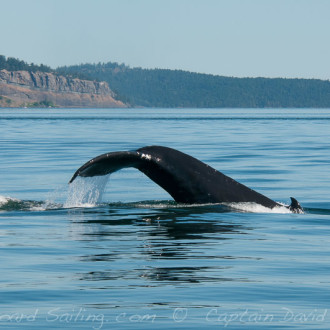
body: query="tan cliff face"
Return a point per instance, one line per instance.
(18, 88)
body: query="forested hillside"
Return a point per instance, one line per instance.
(14, 64)
(176, 88)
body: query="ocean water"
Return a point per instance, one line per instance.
(118, 253)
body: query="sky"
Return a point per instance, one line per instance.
(239, 38)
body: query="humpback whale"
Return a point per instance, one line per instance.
(187, 179)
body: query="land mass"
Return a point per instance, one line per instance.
(87, 85)
(22, 88)
(177, 88)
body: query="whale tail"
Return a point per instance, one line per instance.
(295, 207)
(185, 178)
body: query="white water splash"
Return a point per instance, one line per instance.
(14, 204)
(86, 192)
(257, 208)
(5, 200)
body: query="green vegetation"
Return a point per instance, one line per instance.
(14, 64)
(176, 88)
(41, 104)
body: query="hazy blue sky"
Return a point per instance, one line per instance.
(270, 38)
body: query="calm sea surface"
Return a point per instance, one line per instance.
(134, 259)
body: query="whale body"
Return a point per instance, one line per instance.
(185, 178)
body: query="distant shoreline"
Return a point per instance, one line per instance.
(107, 85)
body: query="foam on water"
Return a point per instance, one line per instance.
(15, 204)
(257, 208)
(5, 200)
(86, 192)
(234, 207)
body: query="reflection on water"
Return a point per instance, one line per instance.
(162, 244)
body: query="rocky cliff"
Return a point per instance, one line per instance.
(21, 88)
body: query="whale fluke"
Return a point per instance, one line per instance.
(185, 178)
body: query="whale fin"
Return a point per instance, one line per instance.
(184, 177)
(295, 206)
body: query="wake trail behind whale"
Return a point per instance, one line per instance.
(14, 204)
(250, 207)
(87, 192)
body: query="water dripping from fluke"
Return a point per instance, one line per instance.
(86, 192)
